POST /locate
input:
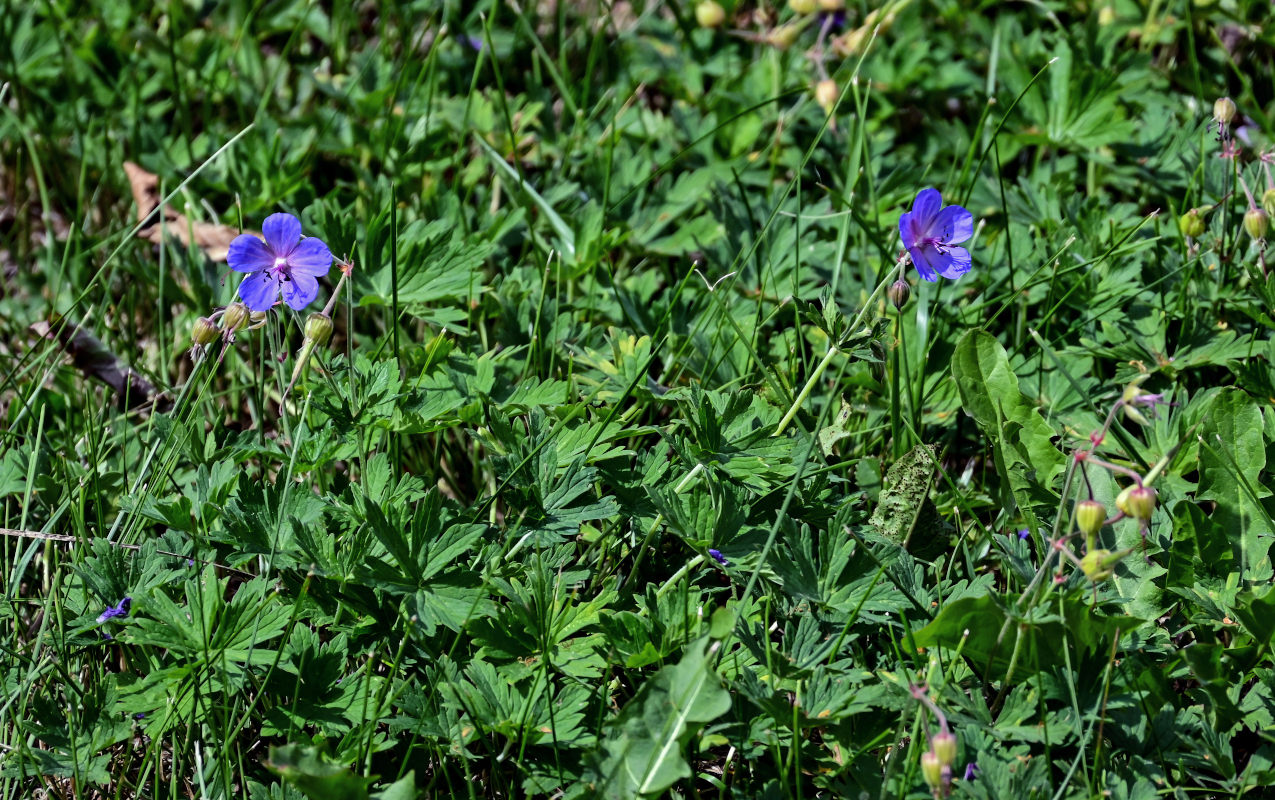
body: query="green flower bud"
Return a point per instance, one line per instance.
(932, 769)
(709, 14)
(204, 332)
(318, 328)
(899, 293)
(783, 36)
(1106, 16)
(803, 6)
(1191, 224)
(943, 745)
(1090, 515)
(1224, 110)
(1268, 201)
(831, 5)
(1097, 565)
(1257, 222)
(235, 318)
(1137, 502)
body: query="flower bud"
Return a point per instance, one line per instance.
(1106, 16)
(1097, 565)
(709, 14)
(318, 328)
(831, 5)
(899, 293)
(803, 6)
(1268, 201)
(1090, 515)
(1137, 502)
(782, 37)
(204, 332)
(826, 93)
(1191, 224)
(943, 745)
(932, 769)
(1224, 110)
(1257, 222)
(235, 318)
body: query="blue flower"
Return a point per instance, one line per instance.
(120, 610)
(283, 262)
(718, 557)
(930, 233)
(1023, 533)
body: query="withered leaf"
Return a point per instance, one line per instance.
(213, 238)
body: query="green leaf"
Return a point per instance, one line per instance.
(644, 748)
(309, 771)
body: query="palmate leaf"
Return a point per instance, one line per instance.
(643, 748)
(307, 768)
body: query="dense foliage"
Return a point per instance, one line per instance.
(613, 459)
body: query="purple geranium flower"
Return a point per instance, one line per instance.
(930, 232)
(284, 261)
(718, 557)
(120, 610)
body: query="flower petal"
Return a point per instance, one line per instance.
(954, 225)
(955, 263)
(921, 260)
(905, 230)
(249, 254)
(311, 257)
(924, 209)
(301, 290)
(282, 233)
(259, 290)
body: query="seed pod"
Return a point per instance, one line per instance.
(1090, 515)
(1224, 110)
(1191, 224)
(899, 293)
(709, 14)
(1257, 222)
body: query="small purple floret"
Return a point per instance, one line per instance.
(931, 232)
(1023, 533)
(971, 771)
(718, 557)
(284, 262)
(120, 610)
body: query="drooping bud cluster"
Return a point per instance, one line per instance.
(223, 324)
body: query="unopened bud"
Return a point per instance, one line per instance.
(1137, 502)
(204, 332)
(235, 318)
(1224, 110)
(899, 293)
(1090, 515)
(1098, 565)
(932, 769)
(943, 745)
(826, 93)
(318, 328)
(831, 5)
(1191, 224)
(1106, 16)
(782, 37)
(709, 14)
(1257, 222)
(1268, 201)
(803, 6)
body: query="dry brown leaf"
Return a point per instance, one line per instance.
(213, 238)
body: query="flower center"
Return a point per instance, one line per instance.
(935, 242)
